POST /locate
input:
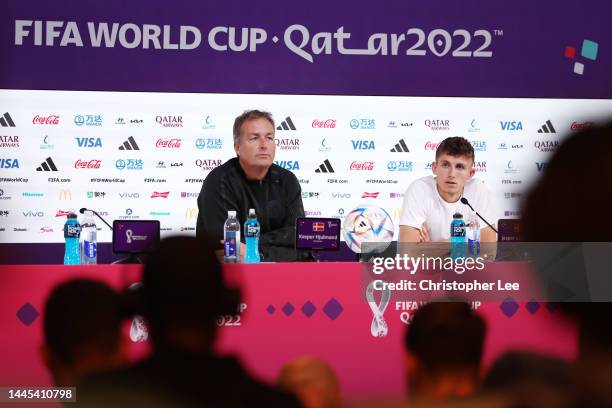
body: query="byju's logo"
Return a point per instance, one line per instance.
(88, 120)
(362, 124)
(129, 144)
(88, 141)
(326, 167)
(589, 51)
(511, 125)
(547, 128)
(286, 124)
(6, 120)
(363, 145)
(400, 147)
(9, 163)
(288, 164)
(47, 165)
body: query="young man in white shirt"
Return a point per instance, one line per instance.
(430, 202)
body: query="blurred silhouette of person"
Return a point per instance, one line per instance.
(82, 331)
(183, 292)
(571, 202)
(313, 381)
(443, 351)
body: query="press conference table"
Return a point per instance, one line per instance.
(292, 309)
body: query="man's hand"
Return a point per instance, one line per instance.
(424, 234)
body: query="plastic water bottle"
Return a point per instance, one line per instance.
(89, 240)
(72, 234)
(457, 237)
(251, 237)
(231, 238)
(473, 234)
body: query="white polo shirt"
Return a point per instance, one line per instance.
(423, 204)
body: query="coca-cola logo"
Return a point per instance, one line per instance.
(91, 164)
(46, 120)
(579, 126)
(169, 144)
(431, 145)
(324, 123)
(366, 165)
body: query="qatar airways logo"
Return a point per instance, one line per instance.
(91, 164)
(160, 195)
(46, 120)
(546, 145)
(170, 121)
(431, 145)
(168, 144)
(437, 124)
(362, 166)
(324, 123)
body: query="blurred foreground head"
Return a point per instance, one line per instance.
(313, 381)
(183, 293)
(444, 344)
(81, 325)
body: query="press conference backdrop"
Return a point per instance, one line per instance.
(125, 107)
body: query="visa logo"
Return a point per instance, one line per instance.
(541, 166)
(9, 164)
(288, 164)
(511, 125)
(363, 144)
(89, 141)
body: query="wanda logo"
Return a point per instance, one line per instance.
(92, 164)
(431, 145)
(169, 144)
(325, 124)
(367, 165)
(46, 120)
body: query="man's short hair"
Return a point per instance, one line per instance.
(82, 315)
(446, 336)
(249, 115)
(456, 146)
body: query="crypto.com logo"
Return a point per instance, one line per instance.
(589, 51)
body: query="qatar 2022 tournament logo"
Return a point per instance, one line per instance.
(588, 51)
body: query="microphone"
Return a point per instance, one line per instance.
(466, 202)
(82, 211)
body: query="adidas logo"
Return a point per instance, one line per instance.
(547, 128)
(47, 165)
(326, 167)
(6, 120)
(286, 124)
(400, 147)
(129, 144)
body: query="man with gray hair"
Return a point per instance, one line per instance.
(252, 180)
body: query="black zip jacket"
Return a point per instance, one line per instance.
(277, 200)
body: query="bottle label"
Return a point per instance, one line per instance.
(90, 249)
(252, 231)
(72, 230)
(230, 243)
(458, 231)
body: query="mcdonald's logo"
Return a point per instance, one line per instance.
(65, 194)
(191, 213)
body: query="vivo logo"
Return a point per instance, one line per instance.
(363, 144)
(288, 164)
(33, 213)
(341, 195)
(89, 141)
(511, 125)
(129, 195)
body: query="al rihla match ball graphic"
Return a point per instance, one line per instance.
(368, 223)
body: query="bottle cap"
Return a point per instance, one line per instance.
(88, 213)
(251, 211)
(231, 213)
(457, 216)
(72, 215)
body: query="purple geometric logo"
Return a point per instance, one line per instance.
(333, 309)
(552, 307)
(509, 307)
(270, 309)
(532, 306)
(308, 309)
(288, 309)
(588, 50)
(27, 314)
